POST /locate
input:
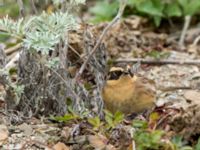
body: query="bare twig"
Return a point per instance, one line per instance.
(65, 82)
(184, 31)
(34, 10)
(29, 143)
(11, 63)
(158, 62)
(13, 49)
(174, 88)
(75, 51)
(3, 58)
(21, 8)
(63, 53)
(106, 29)
(196, 41)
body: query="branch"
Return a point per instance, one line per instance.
(158, 62)
(21, 8)
(34, 10)
(12, 62)
(106, 29)
(13, 49)
(184, 31)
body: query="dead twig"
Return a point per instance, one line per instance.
(184, 31)
(13, 49)
(196, 41)
(174, 88)
(11, 63)
(158, 62)
(106, 29)
(21, 8)
(31, 142)
(75, 51)
(66, 83)
(34, 10)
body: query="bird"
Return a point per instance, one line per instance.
(127, 93)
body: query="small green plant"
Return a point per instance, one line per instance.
(197, 146)
(104, 10)
(53, 63)
(154, 9)
(148, 139)
(65, 118)
(41, 33)
(139, 124)
(70, 116)
(179, 144)
(158, 55)
(113, 120)
(95, 122)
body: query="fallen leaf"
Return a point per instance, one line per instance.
(3, 134)
(65, 133)
(100, 142)
(27, 129)
(60, 146)
(192, 96)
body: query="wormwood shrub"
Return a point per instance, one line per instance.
(40, 75)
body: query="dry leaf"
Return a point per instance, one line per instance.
(98, 142)
(66, 132)
(60, 146)
(27, 129)
(3, 134)
(192, 96)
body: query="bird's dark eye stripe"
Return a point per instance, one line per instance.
(114, 75)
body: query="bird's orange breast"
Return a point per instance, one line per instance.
(127, 95)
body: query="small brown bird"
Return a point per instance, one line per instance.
(127, 93)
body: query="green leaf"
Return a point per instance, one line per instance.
(12, 71)
(193, 7)
(19, 89)
(148, 140)
(186, 148)
(157, 20)
(108, 113)
(3, 37)
(156, 135)
(95, 122)
(151, 7)
(118, 117)
(109, 119)
(197, 147)
(190, 7)
(65, 118)
(183, 3)
(53, 63)
(173, 10)
(139, 124)
(158, 55)
(178, 142)
(104, 10)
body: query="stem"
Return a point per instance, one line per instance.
(106, 29)
(185, 28)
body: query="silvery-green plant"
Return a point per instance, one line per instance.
(72, 2)
(40, 33)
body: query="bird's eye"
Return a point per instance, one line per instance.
(114, 75)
